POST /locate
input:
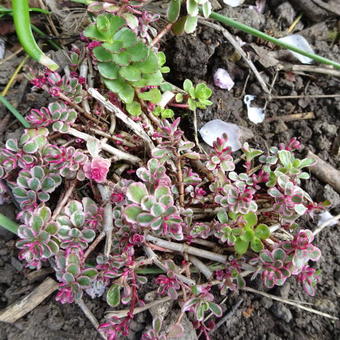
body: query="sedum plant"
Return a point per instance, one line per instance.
(187, 219)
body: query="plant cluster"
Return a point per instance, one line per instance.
(144, 201)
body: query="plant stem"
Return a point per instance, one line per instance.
(183, 248)
(242, 27)
(8, 224)
(15, 112)
(44, 35)
(23, 29)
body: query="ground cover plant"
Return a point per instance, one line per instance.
(112, 164)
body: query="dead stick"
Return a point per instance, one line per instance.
(23, 306)
(325, 172)
(289, 302)
(295, 116)
(184, 248)
(308, 68)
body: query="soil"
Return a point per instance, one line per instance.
(197, 57)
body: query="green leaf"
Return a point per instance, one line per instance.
(126, 36)
(113, 295)
(202, 91)
(130, 73)
(92, 32)
(37, 223)
(124, 90)
(256, 245)
(102, 54)
(136, 192)
(190, 24)
(188, 85)
(145, 218)
(241, 246)
(215, 309)
(251, 219)
(161, 191)
(108, 70)
(138, 52)
(286, 157)
(131, 212)
(31, 147)
(154, 96)
(84, 281)
(192, 7)
(174, 9)
(150, 65)
(206, 9)
(91, 272)
(262, 231)
(134, 108)
(248, 234)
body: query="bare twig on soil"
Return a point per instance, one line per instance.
(123, 117)
(90, 316)
(151, 255)
(20, 308)
(124, 313)
(309, 68)
(64, 200)
(331, 6)
(201, 267)
(289, 302)
(183, 248)
(11, 56)
(94, 244)
(327, 223)
(119, 155)
(294, 116)
(238, 48)
(307, 96)
(325, 172)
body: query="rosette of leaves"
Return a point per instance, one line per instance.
(35, 185)
(242, 231)
(187, 23)
(289, 199)
(125, 62)
(237, 197)
(155, 211)
(274, 267)
(58, 114)
(71, 273)
(68, 86)
(286, 164)
(154, 173)
(72, 226)
(38, 237)
(302, 250)
(22, 153)
(198, 97)
(68, 162)
(221, 157)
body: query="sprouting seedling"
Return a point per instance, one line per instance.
(24, 32)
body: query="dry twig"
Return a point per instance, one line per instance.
(325, 172)
(20, 308)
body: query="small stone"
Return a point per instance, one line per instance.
(273, 336)
(266, 302)
(282, 312)
(280, 126)
(16, 264)
(284, 290)
(326, 305)
(287, 14)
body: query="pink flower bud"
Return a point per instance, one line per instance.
(97, 169)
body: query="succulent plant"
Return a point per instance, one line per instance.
(35, 185)
(73, 227)
(73, 276)
(38, 240)
(155, 211)
(57, 114)
(125, 62)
